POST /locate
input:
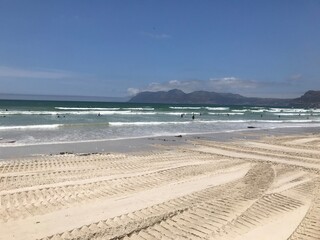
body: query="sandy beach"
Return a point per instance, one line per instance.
(247, 188)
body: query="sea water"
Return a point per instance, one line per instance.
(43, 122)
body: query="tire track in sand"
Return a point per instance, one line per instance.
(181, 217)
(77, 169)
(39, 201)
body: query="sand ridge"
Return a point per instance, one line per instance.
(263, 189)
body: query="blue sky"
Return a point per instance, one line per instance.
(118, 48)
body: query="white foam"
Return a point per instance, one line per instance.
(139, 109)
(28, 112)
(289, 110)
(240, 110)
(27, 127)
(85, 108)
(258, 111)
(186, 108)
(217, 108)
(105, 109)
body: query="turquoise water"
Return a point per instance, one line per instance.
(40, 122)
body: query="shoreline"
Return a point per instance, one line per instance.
(138, 144)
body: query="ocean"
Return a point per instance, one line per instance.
(45, 122)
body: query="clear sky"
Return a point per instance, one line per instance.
(117, 48)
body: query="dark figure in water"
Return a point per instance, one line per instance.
(99, 114)
(193, 116)
(261, 115)
(6, 110)
(182, 115)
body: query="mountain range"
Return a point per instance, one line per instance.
(309, 99)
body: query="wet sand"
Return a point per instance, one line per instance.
(249, 185)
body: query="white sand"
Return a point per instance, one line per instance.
(212, 190)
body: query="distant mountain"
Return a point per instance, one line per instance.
(309, 99)
(204, 97)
